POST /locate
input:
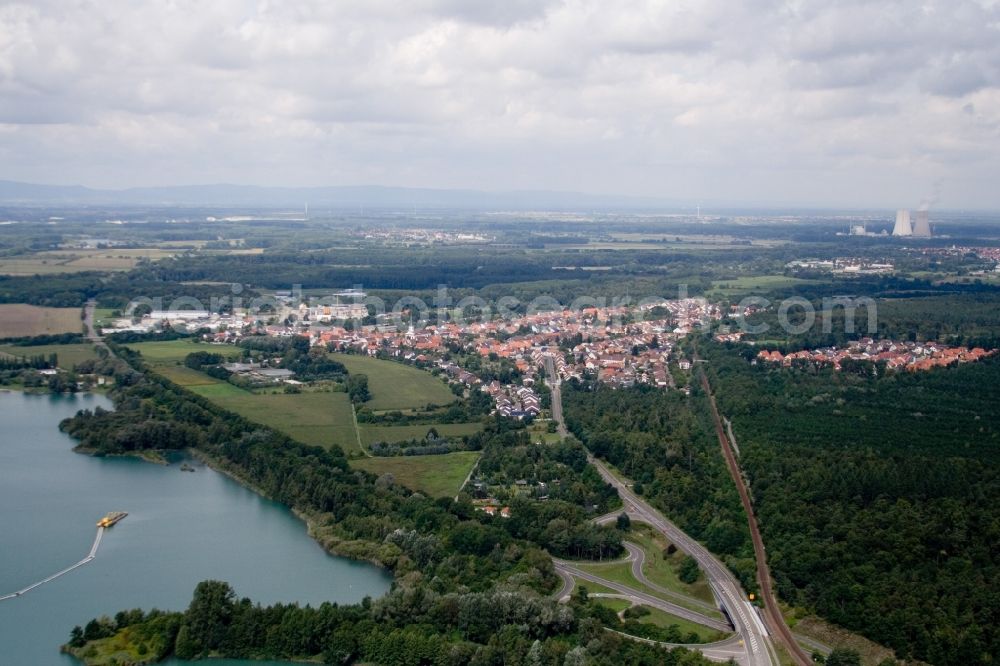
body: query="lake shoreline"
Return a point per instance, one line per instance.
(333, 546)
(361, 551)
(149, 455)
(184, 527)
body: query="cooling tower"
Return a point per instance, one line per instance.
(921, 224)
(902, 227)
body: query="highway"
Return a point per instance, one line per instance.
(640, 597)
(638, 557)
(756, 648)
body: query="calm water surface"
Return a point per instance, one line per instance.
(182, 528)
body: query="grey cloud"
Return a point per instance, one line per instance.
(505, 14)
(961, 76)
(711, 97)
(848, 71)
(35, 109)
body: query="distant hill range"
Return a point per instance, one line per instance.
(15, 193)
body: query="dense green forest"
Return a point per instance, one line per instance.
(877, 498)
(572, 492)
(406, 627)
(112, 290)
(663, 442)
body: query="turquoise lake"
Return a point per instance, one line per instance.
(182, 528)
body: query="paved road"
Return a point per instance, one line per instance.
(731, 648)
(757, 649)
(568, 583)
(556, 408)
(88, 320)
(772, 612)
(640, 597)
(757, 645)
(609, 517)
(638, 557)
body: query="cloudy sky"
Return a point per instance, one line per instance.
(830, 103)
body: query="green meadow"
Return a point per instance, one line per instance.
(395, 385)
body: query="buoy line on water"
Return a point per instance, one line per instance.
(90, 556)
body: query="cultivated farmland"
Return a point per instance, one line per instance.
(18, 320)
(68, 355)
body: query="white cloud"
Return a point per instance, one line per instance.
(849, 103)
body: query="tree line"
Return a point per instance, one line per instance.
(406, 627)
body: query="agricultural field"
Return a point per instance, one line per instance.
(68, 355)
(397, 386)
(391, 434)
(76, 261)
(322, 419)
(199, 382)
(217, 389)
(759, 284)
(326, 418)
(624, 241)
(244, 251)
(185, 376)
(175, 351)
(437, 476)
(318, 418)
(18, 320)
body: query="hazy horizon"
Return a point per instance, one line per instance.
(372, 198)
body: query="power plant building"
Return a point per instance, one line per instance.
(903, 227)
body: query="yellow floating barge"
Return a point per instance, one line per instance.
(111, 519)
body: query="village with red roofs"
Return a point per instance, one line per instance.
(910, 356)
